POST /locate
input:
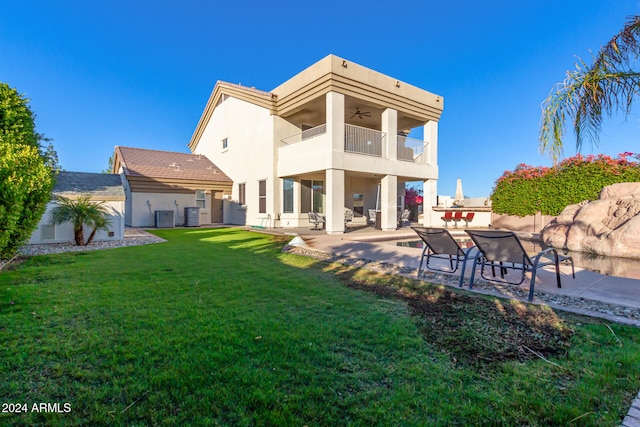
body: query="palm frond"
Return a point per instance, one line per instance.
(588, 93)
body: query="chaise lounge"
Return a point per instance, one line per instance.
(503, 250)
(440, 244)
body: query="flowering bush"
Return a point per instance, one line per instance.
(530, 189)
(412, 200)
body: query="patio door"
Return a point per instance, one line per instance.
(216, 207)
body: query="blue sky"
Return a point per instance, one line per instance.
(139, 73)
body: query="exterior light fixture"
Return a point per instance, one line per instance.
(397, 83)
(344, 63)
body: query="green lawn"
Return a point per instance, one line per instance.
(219, 327)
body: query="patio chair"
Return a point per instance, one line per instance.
(503, 250)
(467, 219)
(317, 220)
(404, 218)
(372, 217)
(348, 217)
(440, 244)
(457, 216)
(448, 216)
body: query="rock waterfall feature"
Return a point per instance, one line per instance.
(608, 226)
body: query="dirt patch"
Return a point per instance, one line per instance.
(478, 330)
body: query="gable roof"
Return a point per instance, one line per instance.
(166, 165)
(103, 186)
(157, 171)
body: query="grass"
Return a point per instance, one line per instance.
(219, 327)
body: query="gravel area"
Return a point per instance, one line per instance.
(611, 312)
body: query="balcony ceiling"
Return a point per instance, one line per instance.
(313, 113)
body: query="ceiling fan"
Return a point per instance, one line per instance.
(360, 114)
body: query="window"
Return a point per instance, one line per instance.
(225, 143)
(200, 199)
(262, 196)
(287, 196)
(241, 194)
(48, 232)
(312, 196)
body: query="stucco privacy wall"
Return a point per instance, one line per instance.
(63, 233)
(248, 157)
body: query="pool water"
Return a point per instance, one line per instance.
(610, 266)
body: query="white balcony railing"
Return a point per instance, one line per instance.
(305, 134)
(362, 140)
(411, 149)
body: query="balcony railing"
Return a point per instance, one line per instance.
(362, 140)
(411, 149)
(305, 134)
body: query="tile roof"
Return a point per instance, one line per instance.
(239, 86)
(168, 165)
(92, 184)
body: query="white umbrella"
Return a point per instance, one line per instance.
(459, 194)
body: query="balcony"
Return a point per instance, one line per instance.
(362, 140)
(411, 149)
(305, 134)
(365, 141)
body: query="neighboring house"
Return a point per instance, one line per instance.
(169, 182)
(331, 138)
(100, 187)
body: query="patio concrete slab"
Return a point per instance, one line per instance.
(382, 247)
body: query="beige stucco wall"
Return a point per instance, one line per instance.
(63, 233)
(143, 207)
(529, 224)
(249, 157)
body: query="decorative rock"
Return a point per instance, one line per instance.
(609, 226)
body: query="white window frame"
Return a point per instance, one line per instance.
(201, 202)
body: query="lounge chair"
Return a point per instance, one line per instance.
(457, 216)
(504, 251)
(440, 244)
(448, 216)
(317, 220)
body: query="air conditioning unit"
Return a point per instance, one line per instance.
(164, 219)
(192, 217)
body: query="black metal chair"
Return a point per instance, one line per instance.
(504, 251)
(317, 220)
(440, 244)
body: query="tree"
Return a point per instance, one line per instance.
(109, 168)
(609, 85)
(80, 212)
(25, 180)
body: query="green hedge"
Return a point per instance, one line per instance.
(530, 189)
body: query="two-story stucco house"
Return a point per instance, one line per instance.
(331, 138)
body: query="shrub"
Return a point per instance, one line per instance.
(530, 189)
(25, 179)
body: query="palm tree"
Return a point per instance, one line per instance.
(80, 212)
(609, 85)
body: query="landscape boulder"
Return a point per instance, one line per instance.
(608, 226)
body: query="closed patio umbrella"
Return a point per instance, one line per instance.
(459, 194)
